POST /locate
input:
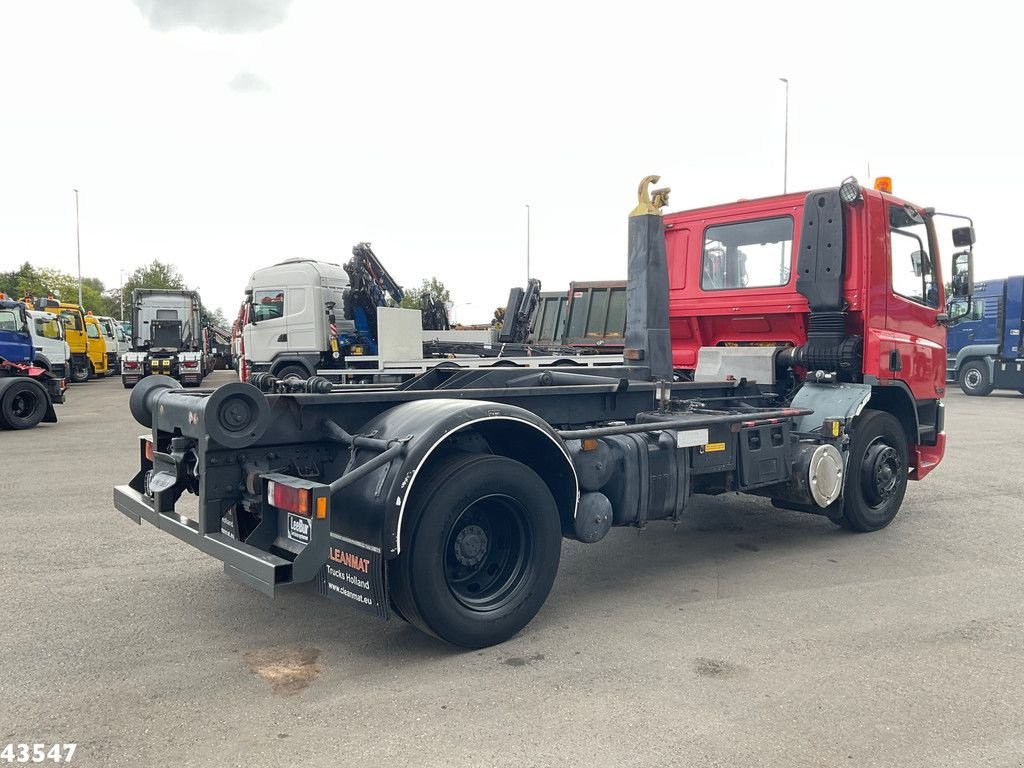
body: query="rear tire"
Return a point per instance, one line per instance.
(479, 550)
(876, 473)
(22, 405)
(974, 379)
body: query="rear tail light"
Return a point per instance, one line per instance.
(287, 498)
(148, 449)
(190, 364)
(131, 365)
(297, 500)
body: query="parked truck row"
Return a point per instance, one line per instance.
(791, 347)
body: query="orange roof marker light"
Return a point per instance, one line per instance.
(884, 184)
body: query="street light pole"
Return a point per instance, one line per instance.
(78, 246)
(527, 243)
(785, 146)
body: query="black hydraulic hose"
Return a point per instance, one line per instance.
(657, 426)
(364, 469)
(334, 432)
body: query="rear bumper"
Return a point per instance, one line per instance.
(258, 569)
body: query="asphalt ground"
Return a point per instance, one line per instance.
(746, 636)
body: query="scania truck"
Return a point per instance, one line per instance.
(166, 337)
(791, 347)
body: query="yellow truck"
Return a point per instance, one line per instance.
(99, 363)
(85, 340)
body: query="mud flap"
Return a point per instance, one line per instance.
(355, 575)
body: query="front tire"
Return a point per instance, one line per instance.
(877, 472)
(79, 373)
(974, 380)
(479, 551)
(292, 371)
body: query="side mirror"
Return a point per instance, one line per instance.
(963, 237)
(963, 272)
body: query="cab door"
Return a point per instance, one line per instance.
(914, 302)
(266, 334)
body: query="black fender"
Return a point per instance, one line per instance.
(308, 362)
(373, 510)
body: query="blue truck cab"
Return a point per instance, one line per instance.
(15, 340)
(984, 349)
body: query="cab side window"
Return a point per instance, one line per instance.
(913, 271)
(268, 305)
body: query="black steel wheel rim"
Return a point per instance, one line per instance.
(880, 472)
(488, 553)
(24, 404)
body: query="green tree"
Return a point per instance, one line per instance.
(156, 274)
(433, 286)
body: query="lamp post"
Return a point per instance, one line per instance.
(78, 247)
(527, 243)
(120, 292)
(785, 145)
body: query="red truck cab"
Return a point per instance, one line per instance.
(872, 290)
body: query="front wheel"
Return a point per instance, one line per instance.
(479, 551)
(79, 372)
(876, 473)
(974, 379)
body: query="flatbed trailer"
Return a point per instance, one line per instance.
(442, 500)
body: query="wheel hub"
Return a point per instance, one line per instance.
(881, 472)
(972, 379)
(471, 545)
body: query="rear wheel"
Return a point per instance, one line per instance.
(974, 380)
(22, 405)
(479, 551)
(876, 475)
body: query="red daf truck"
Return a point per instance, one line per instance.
(792, 348)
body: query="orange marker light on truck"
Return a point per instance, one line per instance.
(884, 184)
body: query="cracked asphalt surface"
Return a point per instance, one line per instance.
(747, 636)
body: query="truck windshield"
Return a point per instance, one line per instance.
(11, 320)
(48, 328)
(72, 320)
(747, 254)
(267, 305)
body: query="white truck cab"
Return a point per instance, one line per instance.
(51, 350)
(288, 330)
(116, 340)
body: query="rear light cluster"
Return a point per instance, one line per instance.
(190, 364)
(297, 500)
(131, 365)
(149, 449)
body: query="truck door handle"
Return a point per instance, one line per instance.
(970, 336)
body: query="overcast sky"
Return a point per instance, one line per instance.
(226, 135)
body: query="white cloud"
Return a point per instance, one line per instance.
(248, 82)
(214, 15)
